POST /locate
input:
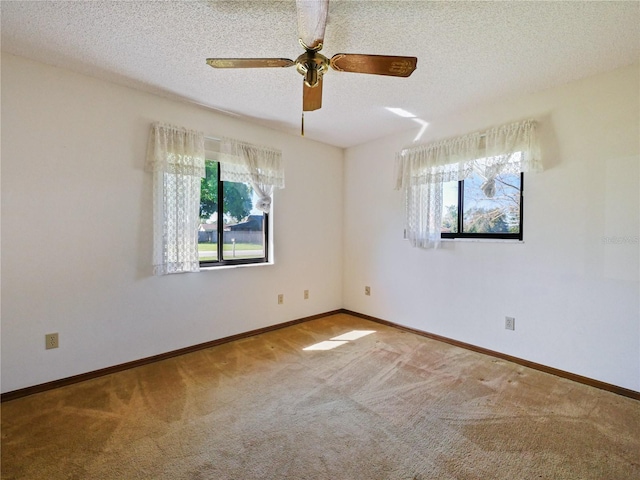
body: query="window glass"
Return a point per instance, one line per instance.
(499, 213)
(450, 207)
(208, 231)
(244, 231)
(488, 208)
(232, 232)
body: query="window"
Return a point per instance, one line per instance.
(479, 208)
(468, 186)
(231, 231)
(211, 199)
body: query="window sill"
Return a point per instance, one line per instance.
(227, 267)
(483, 240)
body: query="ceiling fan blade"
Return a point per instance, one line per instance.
(374, 64)
(249, 62)
(312, 20)
(312, 96)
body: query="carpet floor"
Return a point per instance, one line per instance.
(388, 405)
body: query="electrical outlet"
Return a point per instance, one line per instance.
(510, 323)
(306, 294)
(367, 290)
(280, 299)
(51, 340)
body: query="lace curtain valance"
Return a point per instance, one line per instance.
(456, 158)
(422, 170)
(176, 150)
(259, 166)
(244, 162)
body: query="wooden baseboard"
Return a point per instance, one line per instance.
(526, 363)
(23, 392)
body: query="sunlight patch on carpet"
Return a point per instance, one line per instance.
(354, 335)
(326, 345)
(340, 340)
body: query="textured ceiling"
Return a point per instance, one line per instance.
(469, 53)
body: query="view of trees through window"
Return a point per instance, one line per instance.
(242, 230)
(497, 215)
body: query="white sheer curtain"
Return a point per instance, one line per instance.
(261, 167)
(422, 171)
(176, 157)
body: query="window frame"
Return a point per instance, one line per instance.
(221, 261)
(496, 236)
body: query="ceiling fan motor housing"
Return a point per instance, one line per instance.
(312, 65)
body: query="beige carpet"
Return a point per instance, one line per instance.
(390, 405)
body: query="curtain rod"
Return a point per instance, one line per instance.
(215, 139)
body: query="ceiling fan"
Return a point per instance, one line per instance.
(312, 20)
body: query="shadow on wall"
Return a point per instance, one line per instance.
(549, 146)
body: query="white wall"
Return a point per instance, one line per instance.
(575, 298)
(77, 234)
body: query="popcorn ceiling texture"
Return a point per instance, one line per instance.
(469, 53)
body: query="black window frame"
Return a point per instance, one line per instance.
(501, 236)
(221, 261)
